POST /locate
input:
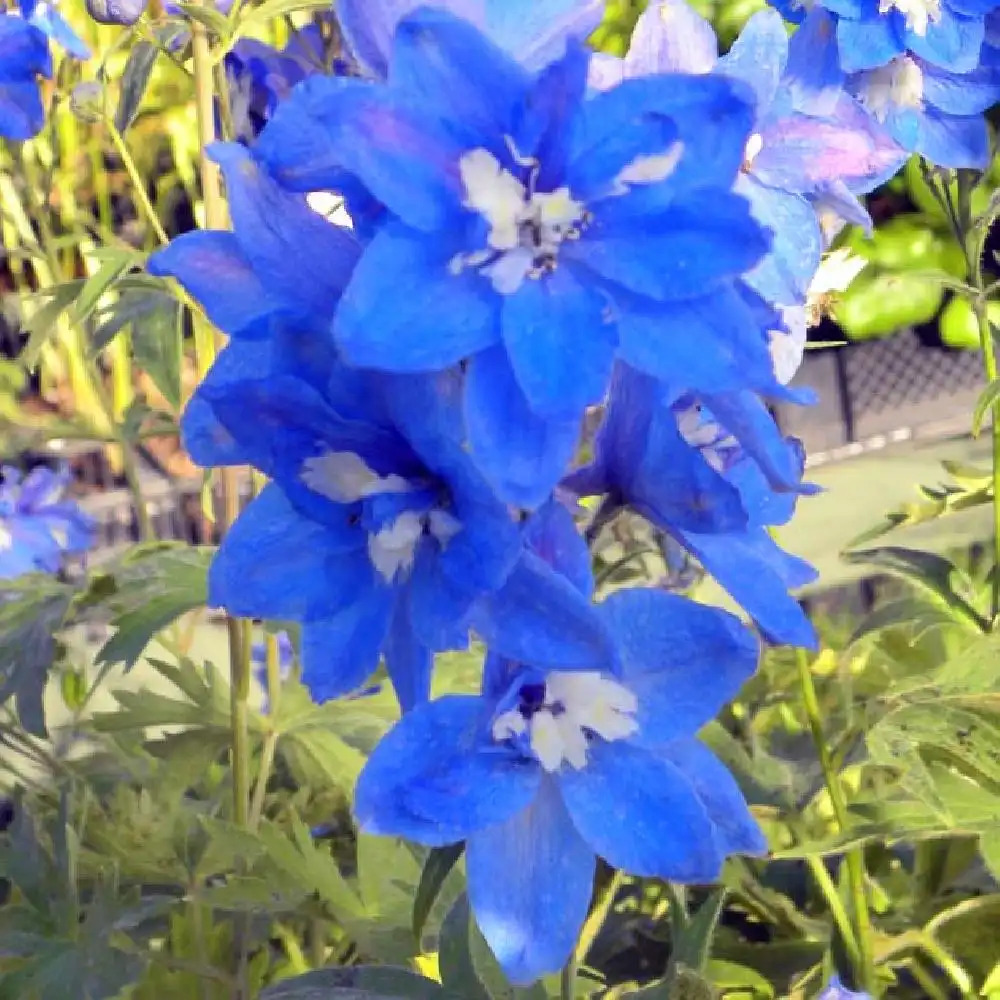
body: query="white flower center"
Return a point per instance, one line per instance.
(344, 477)
(6, 538)
(699, 430)
(900, 84)
(560, 716)
(526, 226)
(918, 13)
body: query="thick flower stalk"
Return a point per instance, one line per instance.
(531, 237)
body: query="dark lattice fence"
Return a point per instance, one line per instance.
(881, 392)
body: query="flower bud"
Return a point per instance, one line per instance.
(124, 12)
(87, 102)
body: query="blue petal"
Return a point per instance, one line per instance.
(340, 653)
(47, 19)
(951, 41)
(671, 37)
(408, 660)
(646, 117)
(404, 311)
(520, 453)
(680, 251)
(305, 260)
(736, 831)
(683, 661)
(813, 79)
(214, 270)
(405, 157)
(953, 140)
(537, 31)
(530, 882)
(275, 563)
(968, 93)
(802, 153)
(757, 574)
(443, 62)
(436, 779)
(438, 605)
(667, 480)
(22, 113)
(640, 814)
(560, 343)
(539, 617)
(552, 534)
(545, 119)
(707, 344)
(748, 420)
(867, 43)
(784, 275)
(758, 57)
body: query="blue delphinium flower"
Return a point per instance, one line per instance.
(38, 528)
(24, 56)
(376, 532)
(533, 31)
(836, 990)
(806, 147)
(925, 71)
(714, 473)
(530, 233)
(546, 770)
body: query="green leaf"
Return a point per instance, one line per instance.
(134, 81)
(694, 943)
(113, 263)
(246, 894)
(917, 616)
(932, 574)
(439, 864)
(458, 969)
(155, 585)
(33, 609)
(731, 976)
(358, 983)
(41, 325)
(216, 23)
(986, 402)
(156, 343)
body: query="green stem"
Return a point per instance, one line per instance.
(208, 342)
(990, 367)
(854, 857)
(139, 191)
(943, 959)
(838, 911)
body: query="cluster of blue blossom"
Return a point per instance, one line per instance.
(532, 233)
(38, 527)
